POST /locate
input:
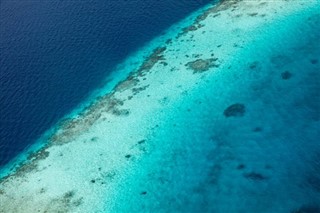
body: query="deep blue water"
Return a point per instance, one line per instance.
(54, 53)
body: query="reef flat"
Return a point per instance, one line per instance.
(199, 125)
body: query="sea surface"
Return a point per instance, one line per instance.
(55, 53)
(218, 113)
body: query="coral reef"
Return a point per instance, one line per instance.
(202, 65)
(235, 110)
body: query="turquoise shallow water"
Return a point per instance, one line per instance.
(246, 140)
(222, 119)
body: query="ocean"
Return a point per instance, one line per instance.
(220, 112)
(55, 53)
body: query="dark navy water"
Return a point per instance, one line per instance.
(54, 53)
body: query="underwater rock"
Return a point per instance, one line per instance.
(235, 110)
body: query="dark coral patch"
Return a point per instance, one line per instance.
(139, 89)
(257, 129)
(126, 84)
(254, 65)
(241, 166)
(218, 7)
(143, 193)
(94, 139)
(313, 176)
(235, 110)
(286, 75)
(40, 155)
(168, 41)
(307, 209)
(254, 176)
(68, 195)
(314, 182)
(141, 142)
(121, 112)
(191, 28)
(202, 65)
(156, 56)
(214, 174)
(252, 14)
(64, 203)
(314, 61)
